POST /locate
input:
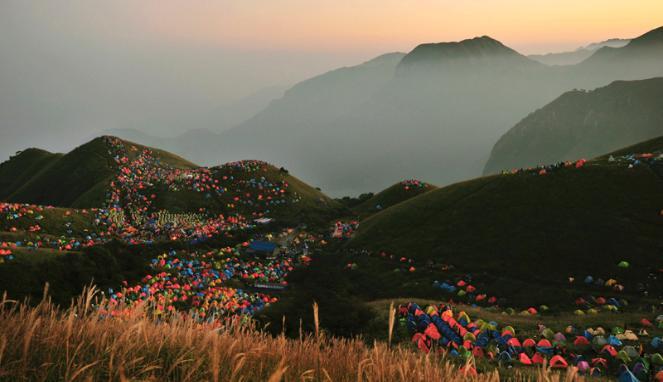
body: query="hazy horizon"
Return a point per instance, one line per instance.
(73, 69)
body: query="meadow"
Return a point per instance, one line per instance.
(81, 343)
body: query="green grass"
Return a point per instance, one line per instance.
(81, 179)
(527, 233)
(582, 124)
(390, 197)
(78, 179)
(312, 207)
(649, 146)
(68, 272)
(65, 181)
(20, 168)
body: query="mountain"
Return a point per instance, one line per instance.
(236, 112)
(110, 172)
(19, 168)
(199, 145)
(77, 179)
(393, 195)
(433, 113)
(583, 124)
(527, 231)
(643, 54)
(467, 55)
(401, 120)
(578, 55)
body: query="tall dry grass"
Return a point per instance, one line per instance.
(44, 343)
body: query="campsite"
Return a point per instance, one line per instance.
(212, 244)
(365, 191)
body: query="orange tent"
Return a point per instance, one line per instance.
(558, 362)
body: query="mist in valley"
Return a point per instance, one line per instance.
(339, 119)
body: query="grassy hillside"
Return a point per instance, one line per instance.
(583, 124)
(530, 228)
(393, 195)
(20, 168)
(78, 179)
(304, 203)
(139, 178)
(649, 146)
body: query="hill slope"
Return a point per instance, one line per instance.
(18, 169)
(111, 173)
(534, 228)
(578, 55)
(393, 195)
(583, 124)
(644, 50)
(78, 179)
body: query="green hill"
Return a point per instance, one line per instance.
(254, 189)
(393, 195)
(583, 124)
(650, 146)
(528, 229)
(18, 170)
(138, 177)
(78, 179)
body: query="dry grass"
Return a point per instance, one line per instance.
(44, 343)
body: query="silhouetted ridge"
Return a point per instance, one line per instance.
(582, 124)
(478, 50)
(654, 36)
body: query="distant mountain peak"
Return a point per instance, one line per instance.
(645, 48)
(478, 50)
(478, 46)
(653, 36)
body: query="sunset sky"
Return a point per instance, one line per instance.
(343, 25)
(156, 63)
(528, 25)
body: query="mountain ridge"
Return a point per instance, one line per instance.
(582, 124)
(365, 127)
(558, 217)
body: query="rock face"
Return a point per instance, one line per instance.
(583, 124)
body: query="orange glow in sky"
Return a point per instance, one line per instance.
(530, 26)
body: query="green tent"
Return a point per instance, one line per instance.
(623, 264)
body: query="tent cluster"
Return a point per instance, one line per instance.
(234, 185)
(463, 290)
(594, 352)
(634, 160)
(194, 283)
(250, 175)
(610, 284)
(5, 254)
(344, 230)
(30, 220)
(630, 161)
(403, 264)
(133, 212)
(410, 184)
(608, 295)
(546, 169)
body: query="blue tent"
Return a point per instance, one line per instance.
(627, 376)
(262, 246)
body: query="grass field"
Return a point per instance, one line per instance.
(79, 344)
(526, 229)
(391, 196)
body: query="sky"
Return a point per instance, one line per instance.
(71, 69)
